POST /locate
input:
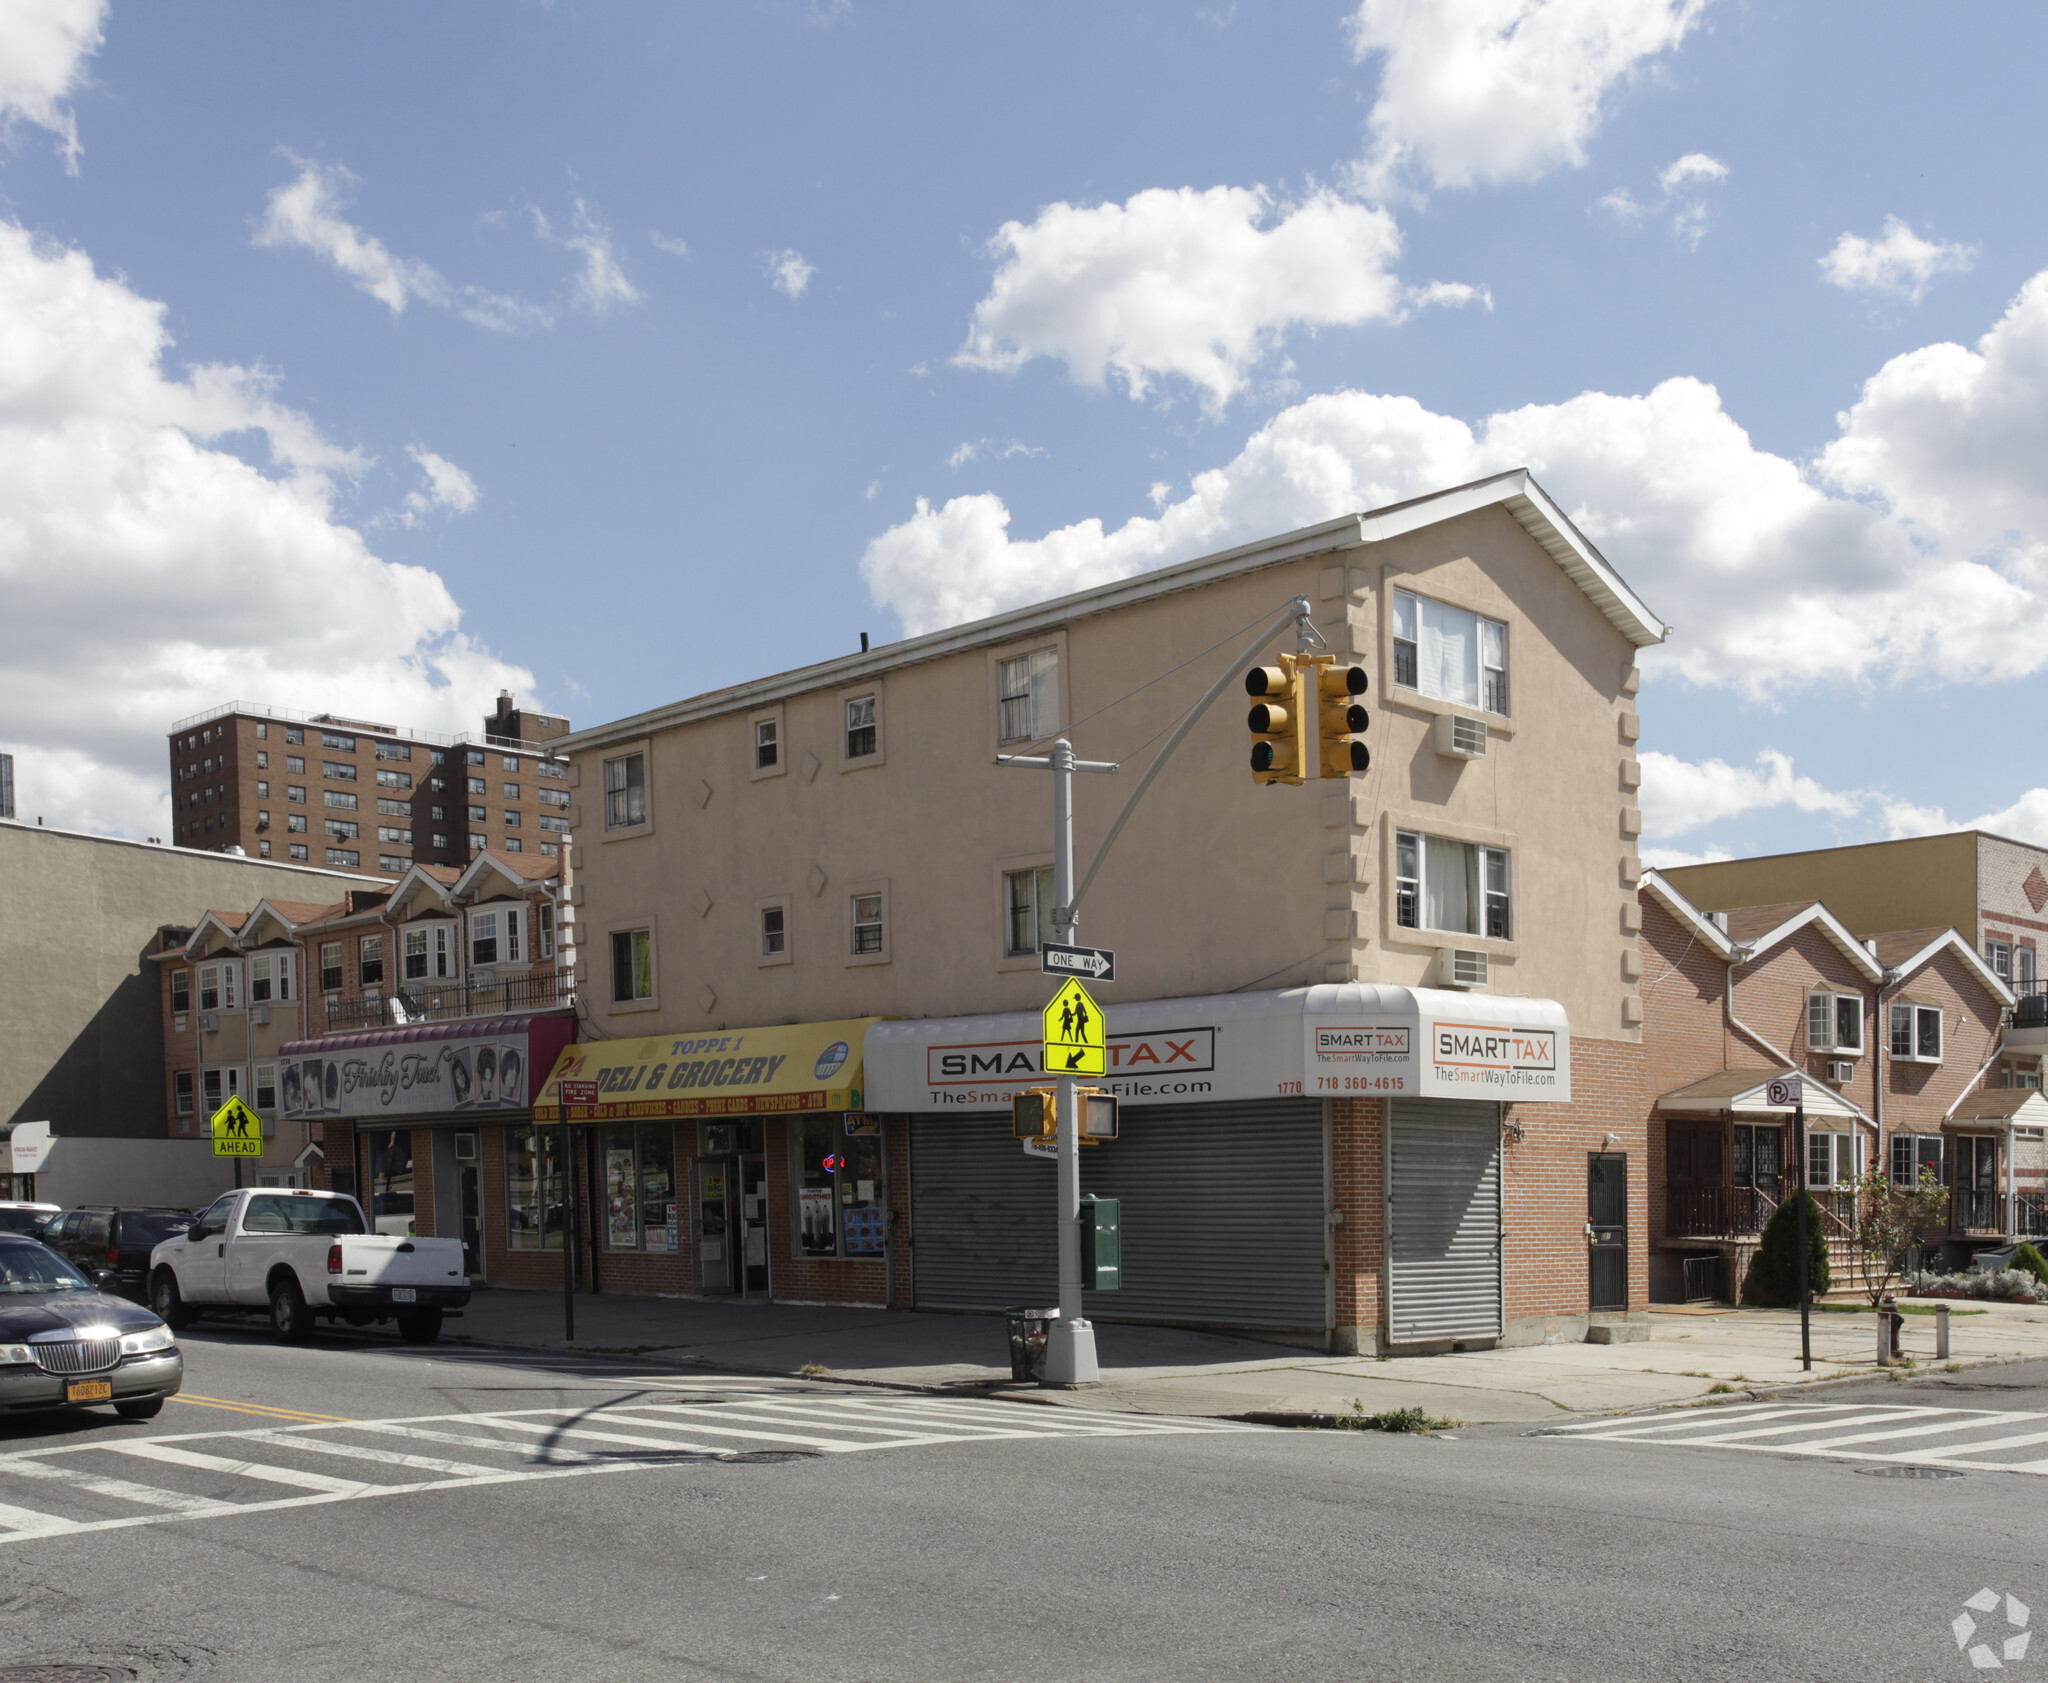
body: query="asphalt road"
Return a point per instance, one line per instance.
(591, 1524)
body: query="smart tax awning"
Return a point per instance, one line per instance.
(785, 1070)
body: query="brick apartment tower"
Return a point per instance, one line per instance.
(325, 789)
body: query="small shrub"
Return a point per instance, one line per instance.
(812, 1370)
(2032, 1261)
(1355, 1419)
(1775, 1273)
(1721, 1388)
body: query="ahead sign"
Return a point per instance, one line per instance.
(1098, 964)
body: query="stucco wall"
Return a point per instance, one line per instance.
(1923, 882)
(81, 1038)
(1216, 885)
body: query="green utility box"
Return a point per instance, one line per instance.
(1102, 1243)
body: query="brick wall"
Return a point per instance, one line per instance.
(1916, 1095)
(1358, 1170)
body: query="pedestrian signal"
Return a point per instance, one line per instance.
(1279, 719)
(1340, 720)
(1034, 1115)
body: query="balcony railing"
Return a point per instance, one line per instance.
(2030, 1216)
(2030, 1007)
(445, 1001)
(1978, 1210)
(1715, 1212)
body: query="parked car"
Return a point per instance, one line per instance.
(66, 1344)
(28, 1219)
(304, 1256)
(110, 1243)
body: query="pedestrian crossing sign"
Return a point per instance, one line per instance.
(237, 1131)
(1075, 1040)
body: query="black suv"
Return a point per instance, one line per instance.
(110, 1243)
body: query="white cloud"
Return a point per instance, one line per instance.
(1913, 551)
(787, 271)
(1671, 858)
(1679, 197)
(2025, 820)
(1682, 795)
(1495, 91)
(1198, 286)
(307, 212)
(447, 486)
(43, 48)
(975, 449)
(1898, 261)
(668, 243)
(602, 283)
(149, 573)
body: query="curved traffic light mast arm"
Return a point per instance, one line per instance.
(1305, 636)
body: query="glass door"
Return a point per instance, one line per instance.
(717, 1250)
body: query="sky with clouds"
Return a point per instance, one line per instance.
(380, 357)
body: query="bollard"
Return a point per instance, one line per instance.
(1941, 1332)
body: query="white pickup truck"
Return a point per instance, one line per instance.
(303, 1255)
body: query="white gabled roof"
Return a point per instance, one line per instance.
(1690, 916)
(1515, 491)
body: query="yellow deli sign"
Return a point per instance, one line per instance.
(765, 1071)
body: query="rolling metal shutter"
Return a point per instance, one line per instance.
(1223, 1214)
(1443, 1220)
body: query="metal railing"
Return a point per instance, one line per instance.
(446, 1001)
(1716, 1212)
(2030, 1216)
(2030, 1009)
(1978, 1210)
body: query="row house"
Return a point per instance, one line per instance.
(1893, 1035)
(380, 1037)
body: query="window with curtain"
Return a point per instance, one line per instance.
(1031, 696)
(1451, 654)
(1458, 887)
(1029, 901)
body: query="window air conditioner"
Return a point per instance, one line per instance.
(209, 1022)
(1459, 967)
(259, 1015)
(1459, 738)
(1841, 1071)
(465, 1148)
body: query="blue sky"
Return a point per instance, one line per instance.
(378, 356)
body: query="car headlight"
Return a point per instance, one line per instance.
(14, 1353)
(141, 1343)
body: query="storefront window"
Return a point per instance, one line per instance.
(533, 1188)
(391, 1202)
(639, 1186)
(839, 1189)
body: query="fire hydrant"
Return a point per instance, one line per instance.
(1890, 1324)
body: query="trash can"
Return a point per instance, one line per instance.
(1027, 1342)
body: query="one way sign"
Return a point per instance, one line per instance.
(1098, 964)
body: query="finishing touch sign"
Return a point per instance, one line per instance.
(415, 1080)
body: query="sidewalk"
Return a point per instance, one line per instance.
(1166, 1370)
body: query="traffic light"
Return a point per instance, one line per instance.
(1282, 704)
(1340, 720)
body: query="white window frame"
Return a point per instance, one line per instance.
(184, 1092)
(339, 968)
(863, 713)
(1414, 636)
(1998, 954)
(544, 930)
(625, 791)
(1028, 696)
(1495, 906)
(230, 989)
(207, 993)
(1922, 1046)
(1921, 1150)
(483, 926)
(1843, 1152)
(1043, 895)
(1824, 1032)
(266, 1081)
(775, 931)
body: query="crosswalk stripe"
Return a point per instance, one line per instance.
(881, 1412)
(221, 1464)
(467, 1440)
(99, 1485)
(384, 1457)
(1939, 1428)
(670, 1445)
(27, 1522)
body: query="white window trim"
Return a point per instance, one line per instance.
(1506, 669)
(1005, 869)
(857, 891)
(787, 904)
(1916, 1012)
(1834, 1043)
(1413, 700)
(854, 692)
(1399, 931)
(625, 926)
(624, 832)
(756, 772)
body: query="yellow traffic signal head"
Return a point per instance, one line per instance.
(1279, 719)
(1340, 720)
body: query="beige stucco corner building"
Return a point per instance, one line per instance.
(843, 843)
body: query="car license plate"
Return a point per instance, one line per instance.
(89, 1390)
(404, 1294)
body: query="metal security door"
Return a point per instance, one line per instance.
(1606, 1230)
(1223, 1214)
(1443, 1221)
